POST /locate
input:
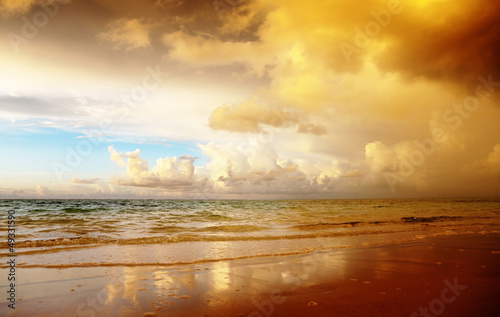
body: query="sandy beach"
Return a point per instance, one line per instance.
(457, 275)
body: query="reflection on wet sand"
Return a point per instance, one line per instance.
(382, 280)
(211, 287)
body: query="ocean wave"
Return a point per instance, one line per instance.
(84, 242)
(434, 219)
(306, 250)
(233, 228)
(403, 220)
(326, 225)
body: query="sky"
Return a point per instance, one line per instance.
(249, 99)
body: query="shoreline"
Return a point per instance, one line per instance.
(199, 252)
(390, 279)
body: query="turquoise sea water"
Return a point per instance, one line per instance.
(66, 233)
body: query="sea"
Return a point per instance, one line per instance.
(91, 233)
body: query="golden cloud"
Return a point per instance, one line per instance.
(9, 7)
(127, 34)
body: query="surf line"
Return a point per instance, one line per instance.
(11, 241)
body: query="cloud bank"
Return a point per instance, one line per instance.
(284, 98)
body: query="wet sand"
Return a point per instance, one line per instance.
(457, 275)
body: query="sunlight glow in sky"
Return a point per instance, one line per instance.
(249, 99)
